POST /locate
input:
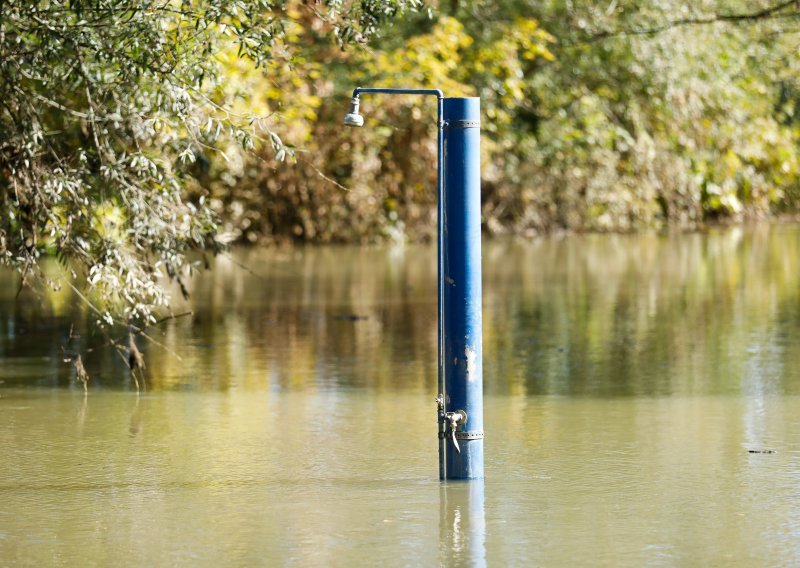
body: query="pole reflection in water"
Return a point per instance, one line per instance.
(462, 524)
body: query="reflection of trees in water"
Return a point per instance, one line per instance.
(594, 315)
(326, 317)
(35, 327)
(617, 315)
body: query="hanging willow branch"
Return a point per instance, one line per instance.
(106, 106)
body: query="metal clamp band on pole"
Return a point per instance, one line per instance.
(474, 435)
(462, 124)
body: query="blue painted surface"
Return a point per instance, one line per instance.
(440, 274)
(463, 351)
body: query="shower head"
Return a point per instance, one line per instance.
(353, 118)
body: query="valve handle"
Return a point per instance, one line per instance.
(455, 418)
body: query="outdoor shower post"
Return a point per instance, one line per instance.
(463, 352)
(460, 353)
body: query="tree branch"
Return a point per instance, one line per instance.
(769, 12)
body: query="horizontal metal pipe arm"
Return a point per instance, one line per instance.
(358, 90)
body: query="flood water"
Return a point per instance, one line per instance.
(642, 409)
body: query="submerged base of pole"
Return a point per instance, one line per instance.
(467, 461)
(462, 412)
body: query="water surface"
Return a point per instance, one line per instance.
(290, 420)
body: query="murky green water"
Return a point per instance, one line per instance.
(627, 380)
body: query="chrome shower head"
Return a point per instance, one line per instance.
(353, 118)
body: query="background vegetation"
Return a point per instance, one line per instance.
(112, 112)
(597, 116)
(135, 131)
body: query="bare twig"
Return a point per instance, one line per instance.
(325, 177)
(140, 331)
(80, 372)
(243, 266)
(170, 317)
(85, 299)
(769, 12)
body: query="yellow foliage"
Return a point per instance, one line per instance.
(431, 59)
(278, 94)
(108, 220)
(448, 58)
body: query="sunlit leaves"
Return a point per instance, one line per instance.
(110, 110)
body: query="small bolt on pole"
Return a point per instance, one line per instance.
(459, 402)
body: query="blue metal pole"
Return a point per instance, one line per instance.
(463, 351)
(440, 279)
